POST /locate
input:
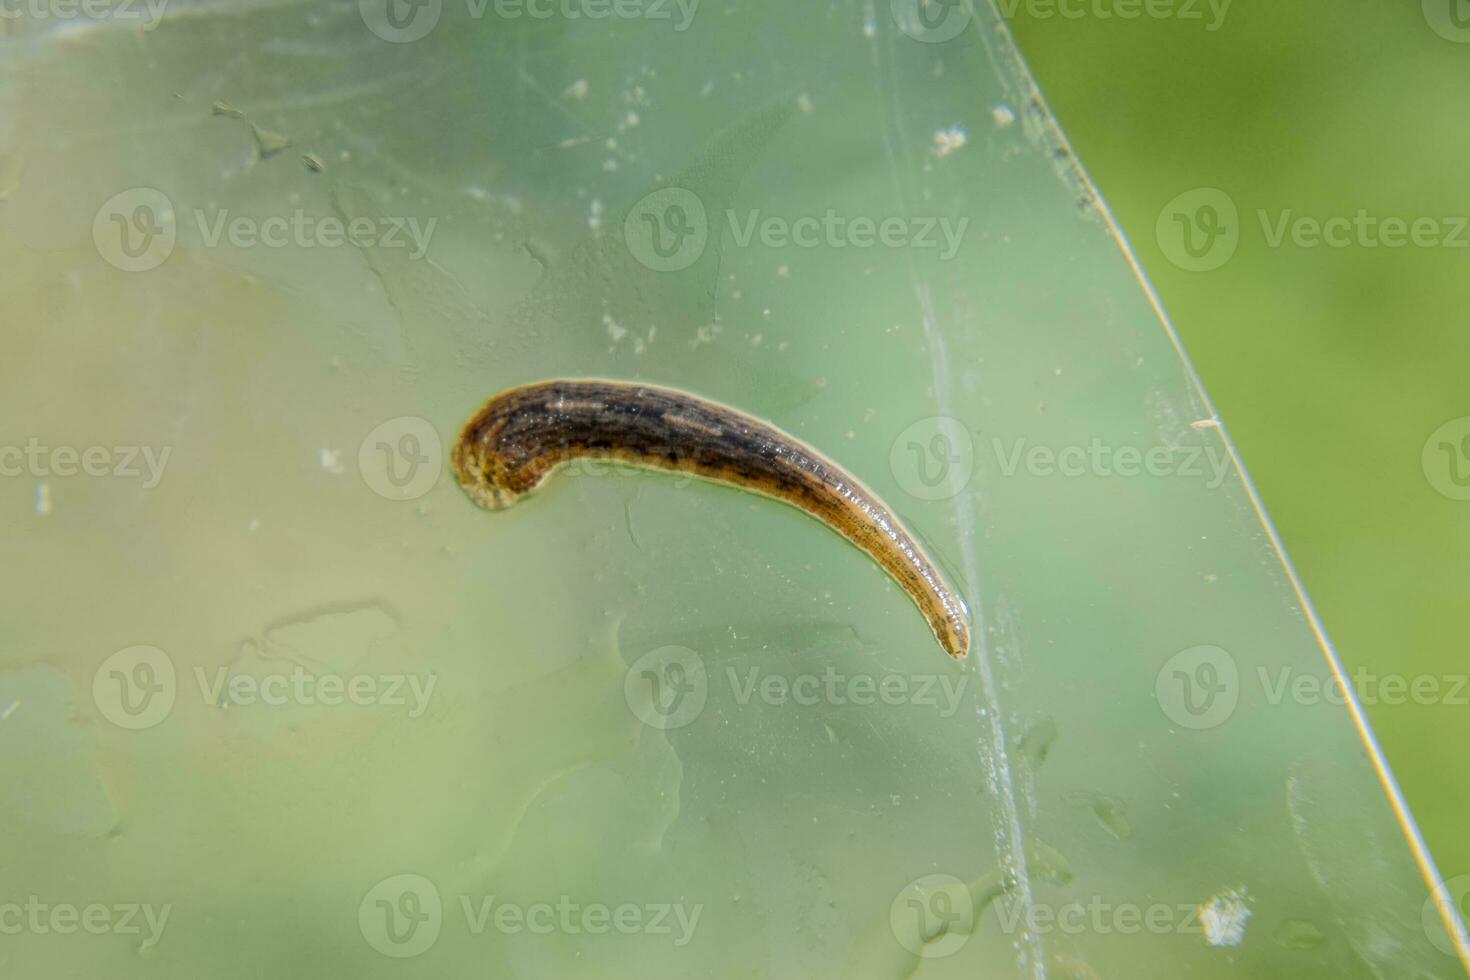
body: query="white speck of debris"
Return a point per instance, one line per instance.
(804, 103)
(1205, 424)
(1224, 918)
(609, 165)
(594, 214)
(9, 710)
(784, 271)
(704, 335)
(870, 27)
(43, 498)
(331, 460)
(946, 141)
(615, 330)
(578, 89)
(1003, 115)
(631, 119)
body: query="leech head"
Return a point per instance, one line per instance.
(478, 472)
(954, 636)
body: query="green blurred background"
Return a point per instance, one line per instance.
(1331, 365)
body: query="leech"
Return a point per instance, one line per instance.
(522, 434)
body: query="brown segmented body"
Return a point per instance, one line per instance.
(522, 434)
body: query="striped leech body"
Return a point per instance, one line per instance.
(522, 434)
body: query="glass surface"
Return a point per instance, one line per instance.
(278, 700)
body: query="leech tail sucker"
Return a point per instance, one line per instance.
(519, 436)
